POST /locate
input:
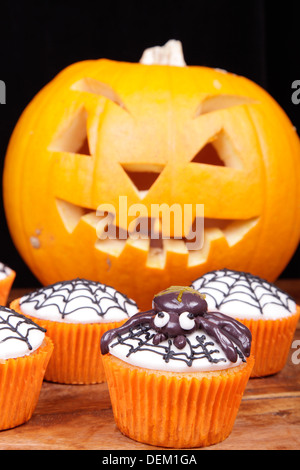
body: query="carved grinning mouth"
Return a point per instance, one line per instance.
(77, 142)
(230, 231)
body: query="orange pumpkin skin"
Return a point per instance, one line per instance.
(150, 117)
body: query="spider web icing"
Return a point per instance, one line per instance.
(200, 353)
(78, 300)
(18, 335)
(243, 294)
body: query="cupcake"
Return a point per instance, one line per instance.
(24, 354)
(270, 314)
(7, 277)
(75, 314)
(176, 373)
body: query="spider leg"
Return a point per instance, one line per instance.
(238, 332)
(222, 338)
(137, 319)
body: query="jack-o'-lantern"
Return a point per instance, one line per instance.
(171, 134)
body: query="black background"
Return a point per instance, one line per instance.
(258, 39)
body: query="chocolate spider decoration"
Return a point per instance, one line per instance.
(178, 311)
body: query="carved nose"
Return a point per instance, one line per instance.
(142, 176)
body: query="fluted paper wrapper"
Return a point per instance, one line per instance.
(76, 358)
(20, 384)
(178, 410)
(271, 342)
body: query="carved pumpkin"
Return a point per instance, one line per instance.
(155, 134)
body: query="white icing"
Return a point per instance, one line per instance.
(243, 296)
(4, 271)
(78, 301)
(18, 335)
(150, 356)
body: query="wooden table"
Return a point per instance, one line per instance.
(79, 417)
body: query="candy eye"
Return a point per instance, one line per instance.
(161, 319)
(186, 320)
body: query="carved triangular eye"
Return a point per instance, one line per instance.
(73, 138)
(219, 151)
(85, 148)
(209, 156)
(142, 176)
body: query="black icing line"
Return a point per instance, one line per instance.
(241, 277)
(70, 287)
(15, 329)
(197, 351)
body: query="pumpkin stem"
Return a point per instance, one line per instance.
(169, 54)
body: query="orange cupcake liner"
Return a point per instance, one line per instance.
(271, 342)
(5, 286)
(76, 357)
(167, 409)
(20, 384)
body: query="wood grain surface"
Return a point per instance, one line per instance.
(79, 417)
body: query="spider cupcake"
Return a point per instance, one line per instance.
(177, 373)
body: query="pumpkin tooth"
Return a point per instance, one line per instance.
(237, 229)
(91, 218)
(156, 257)
(177, 255)
(211, 236)
(111, 247)
(175, 246)
(70, 214)
(140, 243)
